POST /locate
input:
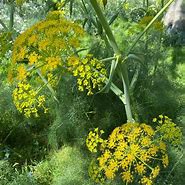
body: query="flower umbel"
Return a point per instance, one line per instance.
(133, 150)
(27, 100)
(42, 52)
(170, 131)
(90, 72)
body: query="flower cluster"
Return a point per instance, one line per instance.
(47, 50)
(42, 52)
(168, 130)
(47, 44)
(134, 150)
(93, 139)
(90, 72)
(21, 72)
(95, 172)
(27, 101)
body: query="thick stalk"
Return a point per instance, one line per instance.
(127, 104)
(105, 25)
(12, 10)
(121, 66)
(117, 92)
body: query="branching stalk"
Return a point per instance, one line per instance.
(48, 85)
(117, 52)
(117, 92)
(105, 25)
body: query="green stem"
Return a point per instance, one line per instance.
(145, 163)
(108, 59)
(117, 52)
(48, 86)
(3, 25)
(105, 25)
(117, 92)
(127, 94)
(12, 10)
(150, 24)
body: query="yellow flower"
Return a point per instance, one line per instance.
(73, 61)
(22, 53)
(32, 39)
(132, 149)
(154, 120)
(162, 145)
(26, 100)
(165, 160)
(118, 155)
(127, 176)
(169, 130)
(43, 44)
(93, 139)
(161, 116)
(89, 71)
(22, 73)
(52, 62)
(74, 42)
(146, 181)
(153, 150)
(145, 141)
(140, 168)
(33, 57)
(46, 45)
(124, 164)
(155, 172)
(109, 173)
(148, 129)
(95, 172)
(130, 157)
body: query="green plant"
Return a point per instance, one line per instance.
(6, 174)
(10, 176)
(66, 166)
(43, 173)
